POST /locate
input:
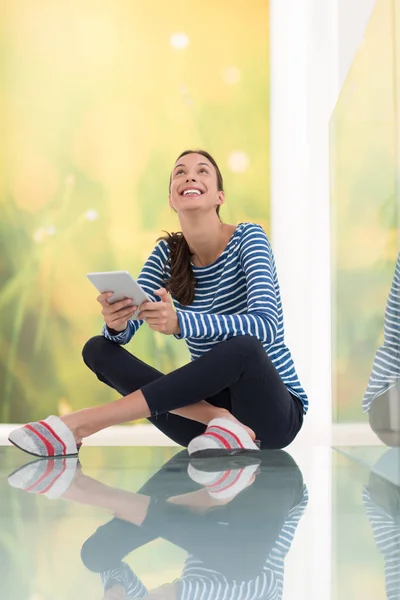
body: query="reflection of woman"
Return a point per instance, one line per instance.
(225, 302)
(235, 550)
(382, 504)
(382, 398)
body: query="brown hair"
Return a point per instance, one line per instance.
(182, 281)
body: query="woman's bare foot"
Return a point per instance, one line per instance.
(201, 500)
(73, 421)
(225, 414)
(69, 421)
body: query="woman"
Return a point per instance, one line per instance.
(382, 398)
(216, 286)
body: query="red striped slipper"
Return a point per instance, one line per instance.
(49, 478)
(50, 438)
(222, 438)
(224, 479)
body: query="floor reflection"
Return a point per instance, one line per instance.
(147, 523)
(381, 499)
(234, 522)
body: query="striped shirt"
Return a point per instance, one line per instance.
(124, 576)
(386, 367)
(198, 582)
(236, 295)
(386, 530)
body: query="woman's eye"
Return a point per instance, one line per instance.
(203, 171)
(179, 172)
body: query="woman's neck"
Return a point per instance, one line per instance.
(207, 240)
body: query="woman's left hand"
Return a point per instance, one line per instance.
(160, 316)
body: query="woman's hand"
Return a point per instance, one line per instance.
(116, 592)
(117, 315)
(161, 316)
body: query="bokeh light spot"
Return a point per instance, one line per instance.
(231, 76)
(238, 162)
(91, 215)
(38, 236)
(179, 41)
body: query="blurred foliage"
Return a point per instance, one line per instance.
(98, 99)
(365, 209)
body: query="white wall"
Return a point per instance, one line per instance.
(304, 89)
(313, 44)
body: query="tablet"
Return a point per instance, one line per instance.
(122, 284)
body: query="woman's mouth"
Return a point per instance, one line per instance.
(191, 192)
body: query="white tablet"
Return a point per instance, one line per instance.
(122, 284)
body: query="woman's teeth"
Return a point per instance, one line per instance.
(192, 193)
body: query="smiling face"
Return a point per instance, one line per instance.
(195, 185)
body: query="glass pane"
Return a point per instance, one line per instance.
(364, 180)
(366, 257)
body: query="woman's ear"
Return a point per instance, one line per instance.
(221, 198)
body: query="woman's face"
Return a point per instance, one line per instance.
(194, 185)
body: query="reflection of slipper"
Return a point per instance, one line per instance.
(224, 478)
(222, 438)
(47, 439)
(123, 575)
(50, 478)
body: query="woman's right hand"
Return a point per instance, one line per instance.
(117, 315)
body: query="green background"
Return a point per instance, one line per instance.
(98, 99)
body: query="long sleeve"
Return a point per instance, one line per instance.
(262, 316)
(386, 368)
(392, 314)
(151, 278)
(386, 531)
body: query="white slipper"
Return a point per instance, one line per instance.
(49, 478)
(222, 438)
(225, 479)
(50, 438)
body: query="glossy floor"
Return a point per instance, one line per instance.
(147, 523)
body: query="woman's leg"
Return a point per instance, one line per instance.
(240, 364)
(111, 542)
(125, 373)
(263, 402)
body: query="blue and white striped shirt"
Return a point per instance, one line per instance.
(238, 294)
(124, 576)
(386, 368)
(386, 530)
(200, 583)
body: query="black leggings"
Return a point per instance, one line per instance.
(237, 375)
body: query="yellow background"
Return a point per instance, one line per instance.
(98, 98)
